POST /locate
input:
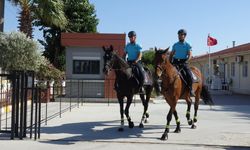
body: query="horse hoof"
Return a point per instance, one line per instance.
(120, 129)
(177, 130)
(131, 125)
(190, 122)
(164, 137)
(146, 121)
(193, 126)
(141, 125)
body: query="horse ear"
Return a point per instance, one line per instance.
(166, 50)
(111, 47)
(155, 49)
(104, 49)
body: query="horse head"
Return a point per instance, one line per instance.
(159, 60)
(108, 59)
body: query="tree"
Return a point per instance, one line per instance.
(40, 12)
(81, 18)
(17, 52)
(47, 71)
(148, 58)
(25, 18)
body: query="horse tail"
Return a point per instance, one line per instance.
(206, 96)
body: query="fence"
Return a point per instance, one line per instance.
(19, 116)
(25, 106)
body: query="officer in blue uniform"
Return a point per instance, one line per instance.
(180, 54)
(134, 55)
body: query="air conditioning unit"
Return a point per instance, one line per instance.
(239, 59)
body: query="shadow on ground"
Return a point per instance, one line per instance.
(94, 131)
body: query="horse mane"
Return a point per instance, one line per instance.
(123, 63)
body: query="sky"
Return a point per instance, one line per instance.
(156, 22)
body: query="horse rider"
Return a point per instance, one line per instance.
(180, 54)
(134, 55)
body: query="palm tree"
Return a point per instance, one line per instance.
(47, 13)
(25, 18)
(50, 13)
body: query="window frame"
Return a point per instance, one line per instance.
(245, 69)
(88, 60)
(232, 69)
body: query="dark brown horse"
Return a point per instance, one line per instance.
(128, 85)
(174, 88)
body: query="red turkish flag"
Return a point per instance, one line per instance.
(211, 41)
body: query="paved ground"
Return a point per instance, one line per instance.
(94, 126)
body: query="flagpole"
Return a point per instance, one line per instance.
(209, 67)
(209, 64)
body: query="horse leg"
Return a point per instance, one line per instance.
(196, 106)
(145, 114)
(120, 99)
(189, 103)
(148, 95)
(178, 128)
(129, 101)
(169, 118)
(145, 105)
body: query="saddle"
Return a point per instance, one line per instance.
(183, 74)
(136, 74)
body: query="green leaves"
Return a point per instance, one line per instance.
(17, 52)
(50, 13)
(81, 16)
(147, 58)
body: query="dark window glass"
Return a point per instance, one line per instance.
(86, 67)
(245, 69)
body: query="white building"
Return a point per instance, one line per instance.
(230, 65)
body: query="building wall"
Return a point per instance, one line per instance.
(239, 84)
(89, 45)
(83, 53)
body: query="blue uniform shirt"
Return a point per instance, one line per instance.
(181, 50)
(133, 50)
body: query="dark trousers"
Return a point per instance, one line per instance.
(181, 63)
(140, 75)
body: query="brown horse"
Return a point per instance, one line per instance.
(174, 88)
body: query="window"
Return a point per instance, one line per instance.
(245, 69)
(232, 69)
(86, 66)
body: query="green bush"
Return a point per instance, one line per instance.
(17, 52)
